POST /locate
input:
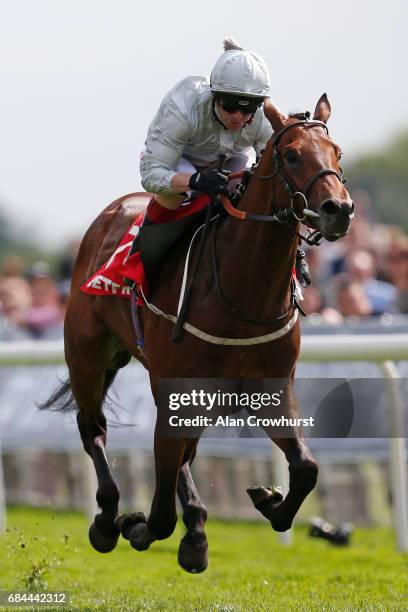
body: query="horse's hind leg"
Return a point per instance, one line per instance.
(88, 388)
(142, 532)
(193, 550)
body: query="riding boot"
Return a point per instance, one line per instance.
(155, 214)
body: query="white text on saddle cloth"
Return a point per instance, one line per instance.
(101, 283)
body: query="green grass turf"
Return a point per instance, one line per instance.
(249, 569)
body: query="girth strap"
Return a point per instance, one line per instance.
(226, 341)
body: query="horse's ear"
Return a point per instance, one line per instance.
(323, 109)
(274, 115)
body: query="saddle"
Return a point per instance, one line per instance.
(127, 268)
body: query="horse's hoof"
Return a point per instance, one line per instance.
(141, 537)
(193, 553)
(265, 496)
(126, 522)
(268, 500)
(100, 542)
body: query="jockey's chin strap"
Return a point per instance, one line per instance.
(298, 208)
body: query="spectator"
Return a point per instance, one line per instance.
(351, 298)
(313, 305)
(15, 291)
(45, 311)
(396, 266)
(382, 295)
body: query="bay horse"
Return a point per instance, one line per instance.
(299, 176)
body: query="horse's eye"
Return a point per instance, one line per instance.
(291, 157)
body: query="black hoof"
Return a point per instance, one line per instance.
(100, 542)
(268, 500)
(193, 553)
(126, 522)
(141, 537)
(262, 496)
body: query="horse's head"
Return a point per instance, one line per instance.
(307, 162)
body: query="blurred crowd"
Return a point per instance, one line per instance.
(32, 299)
(363, 275)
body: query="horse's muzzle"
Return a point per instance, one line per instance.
(335, 218)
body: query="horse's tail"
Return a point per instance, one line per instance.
(62, 400)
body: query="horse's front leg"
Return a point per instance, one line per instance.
(302, 479)
(193, 550)
(302, 475)
(142, 532)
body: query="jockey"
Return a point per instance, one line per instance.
(197, 121)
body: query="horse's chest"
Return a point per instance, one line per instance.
(249, 363)
(259, 365)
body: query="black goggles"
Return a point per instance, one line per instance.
(247, 106)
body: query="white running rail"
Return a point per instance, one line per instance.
(382, 349)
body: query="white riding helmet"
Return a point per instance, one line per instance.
(240, 72)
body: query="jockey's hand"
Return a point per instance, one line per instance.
(211, 182)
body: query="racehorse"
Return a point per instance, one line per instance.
(250, 304)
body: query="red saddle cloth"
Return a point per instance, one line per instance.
(109, 279)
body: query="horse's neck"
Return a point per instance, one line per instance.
(256, 258)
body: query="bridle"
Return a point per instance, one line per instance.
(284, 216)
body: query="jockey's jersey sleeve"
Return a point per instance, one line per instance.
(185, 126)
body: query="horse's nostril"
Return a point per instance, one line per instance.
(330, 208)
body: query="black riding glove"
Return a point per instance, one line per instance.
(209, 181)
